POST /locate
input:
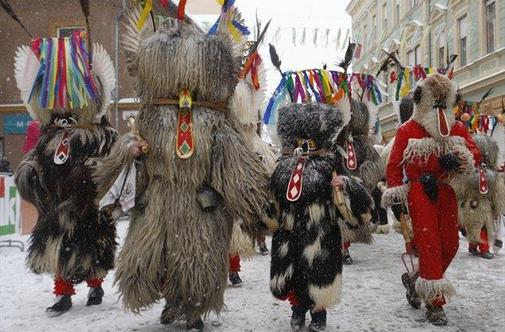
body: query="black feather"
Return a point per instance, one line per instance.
(85, 12)
(274, 57)
(450, 60)
(348, 56)
(261, 35)
(8, 9)
(487, 94)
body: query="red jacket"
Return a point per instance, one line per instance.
(421, 163)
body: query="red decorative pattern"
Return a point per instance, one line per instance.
(185, 144)
(63, 151)
(443, 126)
(483, 185)
(296, 182)
(352, 162)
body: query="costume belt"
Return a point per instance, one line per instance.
(218, 106)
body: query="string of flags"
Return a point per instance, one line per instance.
(64, 76)
(469, 113)
(407, 76)
(319, 85)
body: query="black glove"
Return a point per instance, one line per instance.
(429, 183)
(463, 231)
(449, 161)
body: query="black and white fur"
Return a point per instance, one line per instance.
(306, 249)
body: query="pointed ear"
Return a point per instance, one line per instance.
(132, 36)
(26, 68)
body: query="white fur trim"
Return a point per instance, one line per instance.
(104, 70)
(421, 148)
(316, 213)
(26, 68)
(283, 250)
(430, 290)
(326, 296)
(395, 195)
(278, 282)
(312, 251)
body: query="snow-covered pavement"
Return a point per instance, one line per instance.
(373, 298)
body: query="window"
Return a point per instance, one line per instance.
(441, 42)
(68, 31)
(462, 24)
(413, 3)
(490, 24)
(441, 56)
(385, 17)
(413, 57)
(374, 29)
(397, 12)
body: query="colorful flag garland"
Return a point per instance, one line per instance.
(65, 76)
(319, 85)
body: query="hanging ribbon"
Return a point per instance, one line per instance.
(251, 66)
(64, 79)
(148, 7)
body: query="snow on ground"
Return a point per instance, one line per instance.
(373, 298)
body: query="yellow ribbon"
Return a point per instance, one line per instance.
(145, 12)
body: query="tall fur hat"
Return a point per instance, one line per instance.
(433, 100)
(209, 67)
(488, 149)
(320, 122)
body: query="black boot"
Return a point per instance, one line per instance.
(235, 279)
(298, 318)
(436, 315)
(347, 257)
(409, 282)
(63, 304)
(195, 325)
(95, 296)
(318, 322)
(169, 313)
(263, 248)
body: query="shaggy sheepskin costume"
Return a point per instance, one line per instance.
(306, 249)
(430, 148)
(362, 162)
(481, 195)
(187, 195)
(246, 104)
(72, 239)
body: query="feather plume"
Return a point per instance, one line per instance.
(26, 68)
(85, 12)
(261, 36)
(348, 56)
(274, 57)
(104, 70)
(450, 60)
(8, 9)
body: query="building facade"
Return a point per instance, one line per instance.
(57, 18)
(425, 32)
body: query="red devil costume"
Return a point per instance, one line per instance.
(429, 149)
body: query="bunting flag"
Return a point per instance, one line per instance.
(64, 77)
(469, 113)
(344, 42)
(251, 66)
(236, 28)
(407, 77)
(148, 7)
(319, 85)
